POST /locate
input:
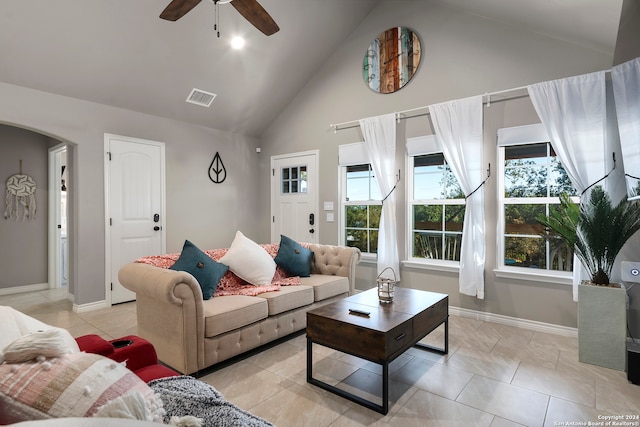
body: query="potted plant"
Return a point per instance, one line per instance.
(597, 231)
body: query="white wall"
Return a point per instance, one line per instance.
(462, 55)
(197, 209)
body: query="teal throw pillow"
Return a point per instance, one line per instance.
(206, 271)
(293, 257)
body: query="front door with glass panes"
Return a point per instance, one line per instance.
(294, 197)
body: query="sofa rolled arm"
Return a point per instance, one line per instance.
(170, 313)
(159, 283)
(336, 261)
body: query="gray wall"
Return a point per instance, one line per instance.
(627, 44)
(463, 55)
(627, 48)
(23, 245)
(197, 209)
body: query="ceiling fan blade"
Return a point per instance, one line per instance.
(177, 9)
(256, 15)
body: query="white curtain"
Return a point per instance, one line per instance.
(458, 131)
(380, 144)
(626, 91)
(573, 112)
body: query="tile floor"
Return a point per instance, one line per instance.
(494, 375)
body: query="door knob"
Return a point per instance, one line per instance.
(156, 228)
(312, 231)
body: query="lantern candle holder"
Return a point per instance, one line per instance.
(386, 286)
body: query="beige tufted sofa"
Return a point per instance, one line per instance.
(190, 334)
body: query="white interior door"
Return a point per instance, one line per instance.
(294, 197)
(136, 207)
(58, 259)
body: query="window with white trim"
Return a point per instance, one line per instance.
(361, 208)
(436, 206)
(531, 178)
(360, 199)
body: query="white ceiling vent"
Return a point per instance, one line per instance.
(200, 97)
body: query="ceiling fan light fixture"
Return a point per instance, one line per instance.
(201, 97)
(237, 43)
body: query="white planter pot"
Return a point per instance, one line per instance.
(602, 326)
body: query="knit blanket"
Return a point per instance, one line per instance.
(230, 284)
(186, 396)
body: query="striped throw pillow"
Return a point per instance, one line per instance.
(72, 385)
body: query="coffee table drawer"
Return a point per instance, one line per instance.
(430, 318)
(399, 338)
(359, 339)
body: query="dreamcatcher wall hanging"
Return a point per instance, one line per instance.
(20, 197)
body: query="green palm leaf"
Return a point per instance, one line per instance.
(597, 230)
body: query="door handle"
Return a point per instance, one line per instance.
(312, 219)
(312, 231)
(156, 228)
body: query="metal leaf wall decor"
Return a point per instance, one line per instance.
(217, 171)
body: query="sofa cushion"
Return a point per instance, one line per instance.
(206, 271)
(73, 385)
(293, 257)
(325, 286)
(249, 261)
(224, 314)
(288, 298)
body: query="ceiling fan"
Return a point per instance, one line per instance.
(251, 10)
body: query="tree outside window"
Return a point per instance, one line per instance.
(437, 207)
(362, 209)
(533, 179)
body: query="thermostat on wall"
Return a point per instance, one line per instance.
(630, 271)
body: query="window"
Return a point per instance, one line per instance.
(532, 180)
(294, 179)
(437, 208)
(362, 207)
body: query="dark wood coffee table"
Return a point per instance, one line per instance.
(388, 331)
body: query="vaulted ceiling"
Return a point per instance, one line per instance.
(119, 53)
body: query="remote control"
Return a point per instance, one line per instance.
(359, 312)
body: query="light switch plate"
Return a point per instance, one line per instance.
(630, 271)
(328, 206)
(329, 216)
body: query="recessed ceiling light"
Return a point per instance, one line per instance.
(237, 42)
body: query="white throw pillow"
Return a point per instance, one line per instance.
(249, 261)
(49, 343)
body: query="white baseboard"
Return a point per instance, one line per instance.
(83, 308)
(532, 325)
(26, 288)
(516, 322)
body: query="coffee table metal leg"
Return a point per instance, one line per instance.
(443, 350)
(383, 409)
(309, 359)
(385, 387)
